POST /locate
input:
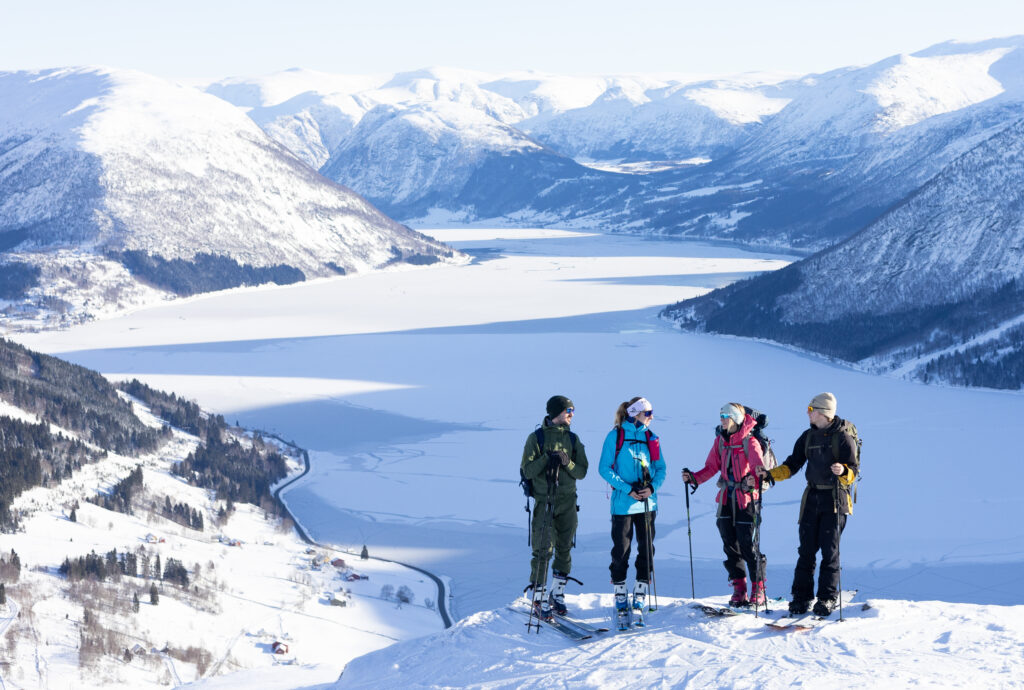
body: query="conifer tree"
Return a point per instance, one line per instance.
(154, 596)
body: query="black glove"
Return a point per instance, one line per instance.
(556, 458)
(688, 478)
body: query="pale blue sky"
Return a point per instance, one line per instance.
(210, 39)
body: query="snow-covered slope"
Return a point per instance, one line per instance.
(251, 579)
(855, 141)
(98, 161)
(891, 644)
(660, 123)
(445, 155)
(934, 271)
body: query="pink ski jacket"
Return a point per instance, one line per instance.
(733, 459)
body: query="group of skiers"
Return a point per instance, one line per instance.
(554, 459)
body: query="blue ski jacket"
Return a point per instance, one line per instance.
(628, 468)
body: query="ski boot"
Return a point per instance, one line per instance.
(739, 592)
(621, 606)
(825, 606)
(799, 607)
(541, 610)
(639, 603)
(557, 596)
(757, 597)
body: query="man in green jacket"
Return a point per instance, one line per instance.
(553, 459)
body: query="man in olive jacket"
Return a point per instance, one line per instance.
(830, 453)
(553, 459)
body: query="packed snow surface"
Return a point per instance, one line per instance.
(891, 644)
(431, 380)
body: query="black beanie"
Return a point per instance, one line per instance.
(557, 405)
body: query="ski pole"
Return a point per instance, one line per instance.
(545, 543)
(757, 549)
(689, 535)
(544, 540)
(839, 537)
(650, 554)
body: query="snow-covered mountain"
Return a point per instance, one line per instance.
(758, 159)
(663, 122)
(446, 156)
(935, 271)
(463, 121)
(97, 162)
(856, 141)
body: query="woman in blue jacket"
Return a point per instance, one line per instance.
(631, 462)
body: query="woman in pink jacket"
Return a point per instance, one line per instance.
(735, 457)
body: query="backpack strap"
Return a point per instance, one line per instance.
(653, 445)
(539, 433)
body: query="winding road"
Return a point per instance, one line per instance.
(442, 589)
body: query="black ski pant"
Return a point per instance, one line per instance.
(623, 527)
(820, 529)
(738, 543)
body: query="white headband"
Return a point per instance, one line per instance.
(639, 406)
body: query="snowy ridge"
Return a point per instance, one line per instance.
(904, 643)
(837, 149)
(147, 165)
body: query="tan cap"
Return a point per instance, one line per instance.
(825, 403)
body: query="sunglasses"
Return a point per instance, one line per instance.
(648, 413)
(812, 408)
(725, 416)
(570, 410)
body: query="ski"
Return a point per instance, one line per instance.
(585, 627)
(560, 626)
(807, 621)
(728, 611)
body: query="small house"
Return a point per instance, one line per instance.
(338, 563)
(279, 647)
